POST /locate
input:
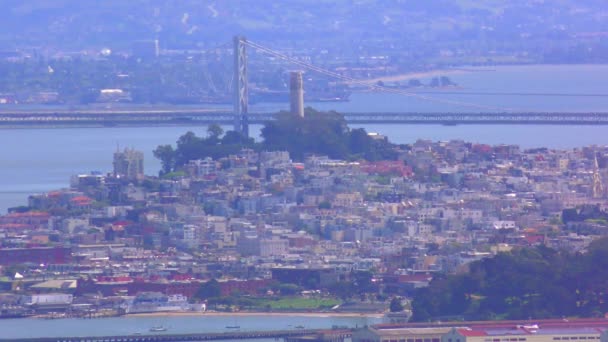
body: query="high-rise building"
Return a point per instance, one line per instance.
(129, 163)
(296, 93)
(598, 187)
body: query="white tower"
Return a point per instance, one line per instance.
(296, 93)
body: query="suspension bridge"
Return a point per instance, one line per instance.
(109, 118)
(241, 116)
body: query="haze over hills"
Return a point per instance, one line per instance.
(577, 30)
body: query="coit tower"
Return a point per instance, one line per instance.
(296, 93)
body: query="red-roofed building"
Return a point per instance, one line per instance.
(527, 332)
(409, 334)
(15, 226)
(548, 330)
(251, 286)
(469, 332)
(534, 239)
(481, 148)
(81, 202)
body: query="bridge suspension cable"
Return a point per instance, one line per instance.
(374, 87)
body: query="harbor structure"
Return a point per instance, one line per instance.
(544, 330)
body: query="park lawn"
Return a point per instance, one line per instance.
(298, 303)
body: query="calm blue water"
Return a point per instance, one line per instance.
(571, 79)
(32, 327)
(38, 160)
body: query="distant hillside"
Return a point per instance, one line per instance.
(78, 24)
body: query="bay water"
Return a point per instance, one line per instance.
(204, 323)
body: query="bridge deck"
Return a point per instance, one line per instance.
(202, 117)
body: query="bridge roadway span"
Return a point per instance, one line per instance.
(336, 335)
(202, 117)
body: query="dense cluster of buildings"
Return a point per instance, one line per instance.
(254, 219)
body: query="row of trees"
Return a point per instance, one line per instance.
(358, 286)
(525, 283)
(191, 147)
(323, 133)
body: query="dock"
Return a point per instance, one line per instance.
(333, 335)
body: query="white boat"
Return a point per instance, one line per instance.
(158, 328)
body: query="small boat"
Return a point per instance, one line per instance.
(233, 327)
(158, 328)
(299, 327)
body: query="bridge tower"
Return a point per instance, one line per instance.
(241, 92)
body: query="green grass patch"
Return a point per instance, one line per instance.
(297, 303)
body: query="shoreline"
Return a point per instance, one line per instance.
(465, 69)
(426, 74)
(416, 75)
(255, 314)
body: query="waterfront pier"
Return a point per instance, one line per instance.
(334, 335)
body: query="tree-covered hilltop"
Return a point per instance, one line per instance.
(524, 283)
(322, 133)
(191, 147)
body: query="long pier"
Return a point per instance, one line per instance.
(151, 117)
(329, 335)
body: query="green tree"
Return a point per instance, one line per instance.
(210, 289)
(321, 133)
(396, 305)
(359, 141)
(215, 131)
(316, 133)
(520, 284)
(342, 289)
(237, 138)
(289, 289)
(166, 154)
